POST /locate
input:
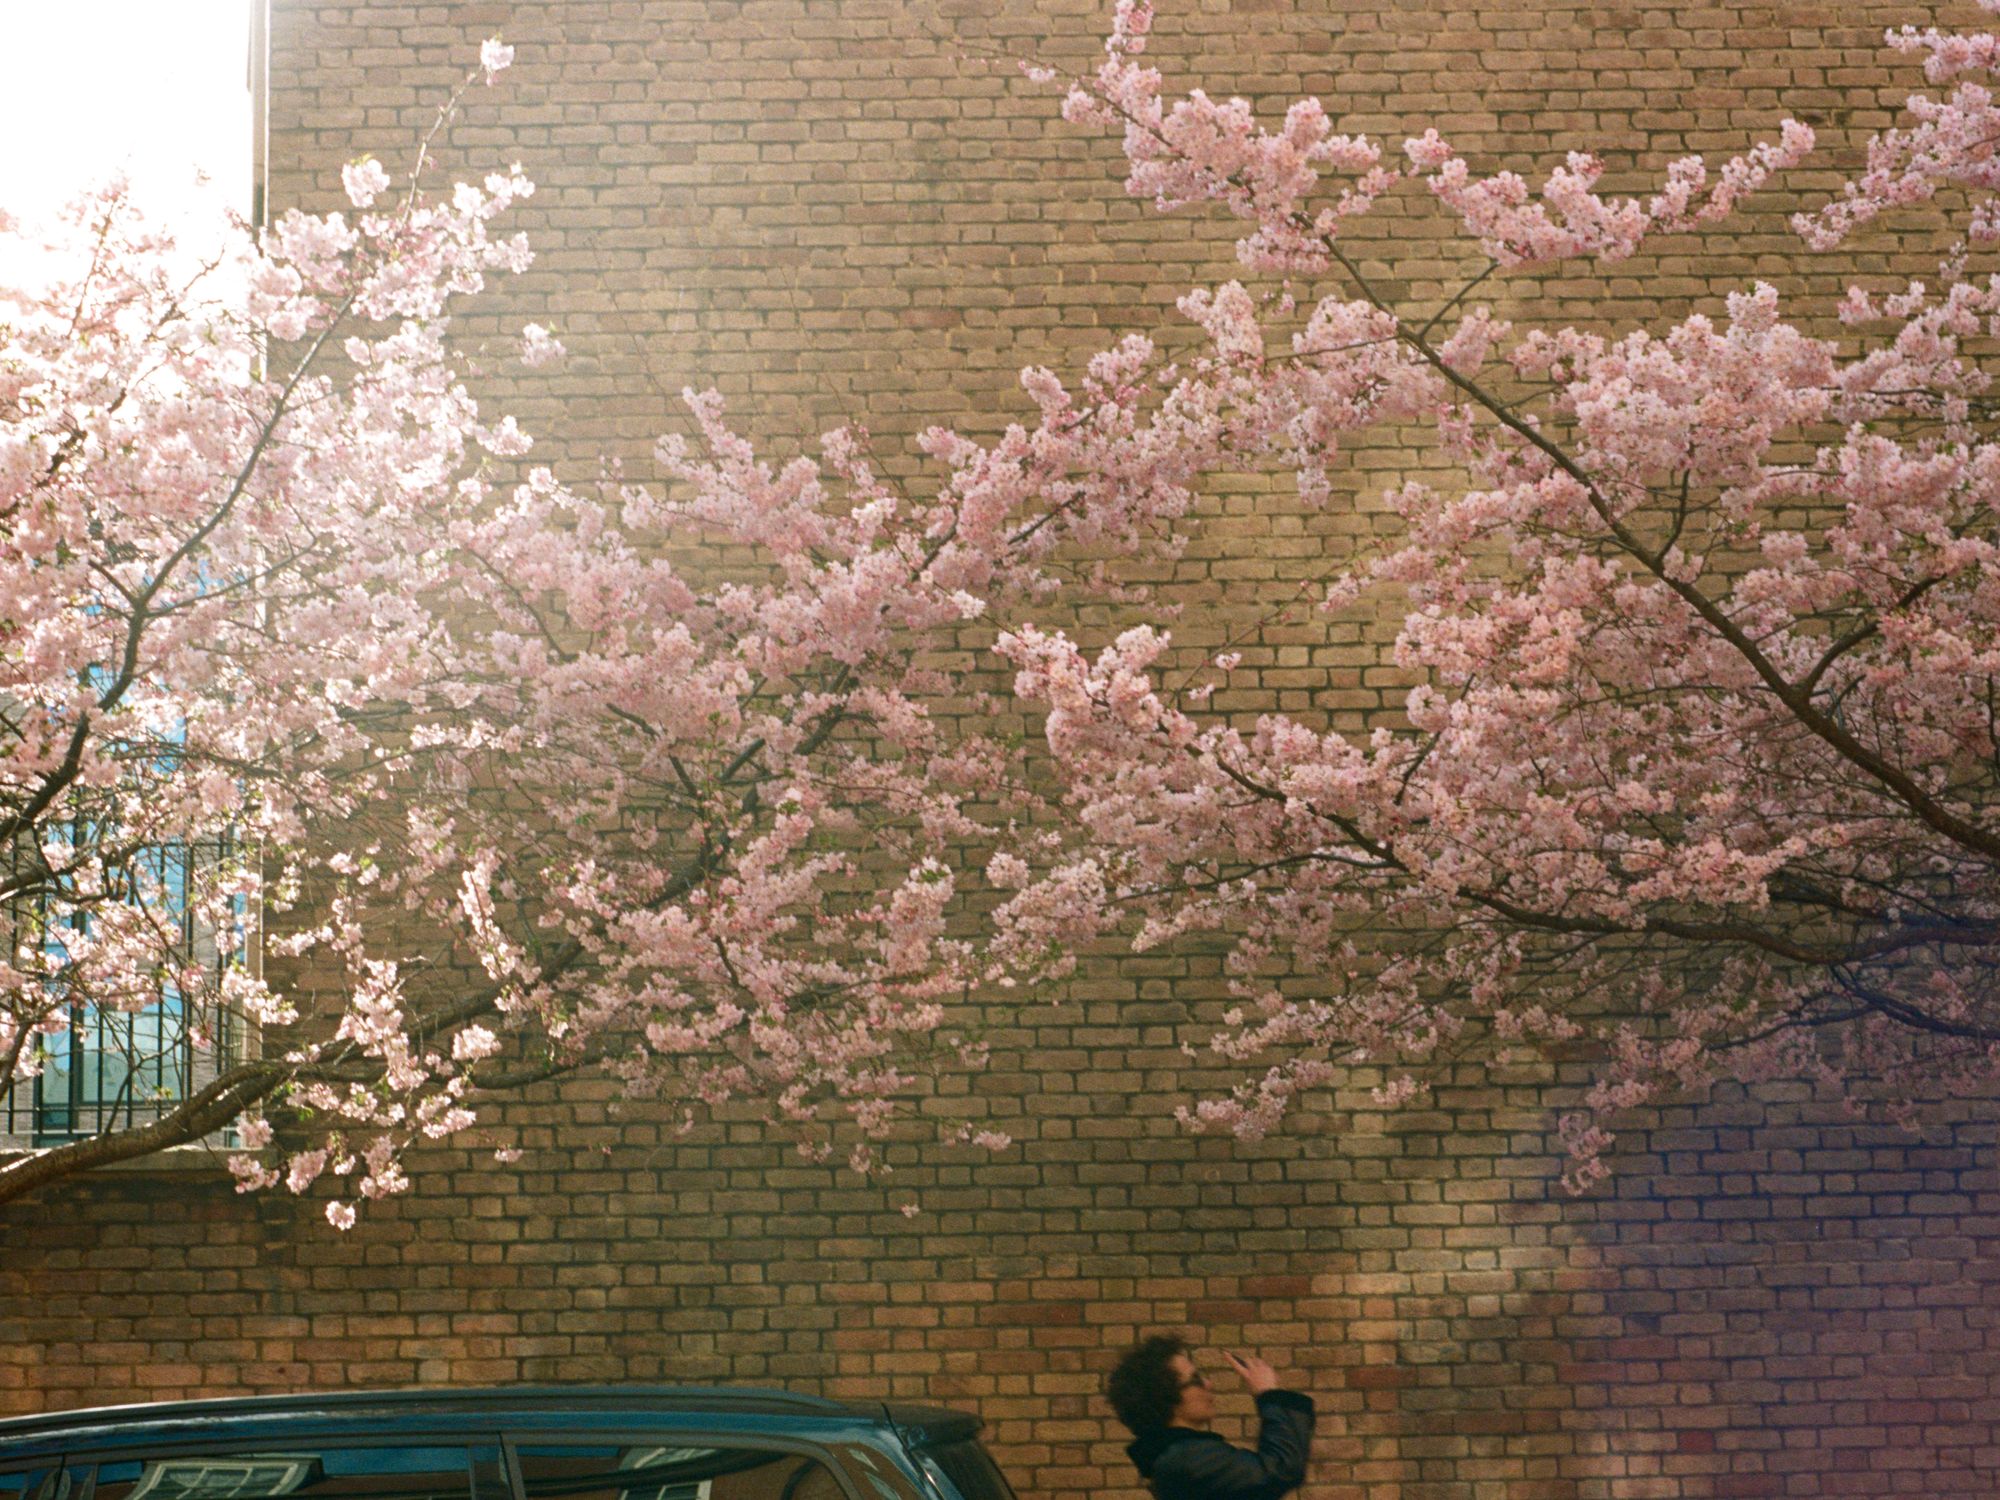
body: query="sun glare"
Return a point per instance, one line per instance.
(156, 88)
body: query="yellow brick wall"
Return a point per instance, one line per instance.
(850, 211)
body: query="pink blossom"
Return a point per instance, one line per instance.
(364, 180)
(495, 57)
(305, 1170)
(539, 347)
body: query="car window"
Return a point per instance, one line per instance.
(50, 1482)
(311, 1471)
(667, 1471)
(879, 1478)
(964, 1470)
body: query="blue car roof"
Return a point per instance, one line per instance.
(388, 1414)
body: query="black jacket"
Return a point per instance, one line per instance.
(1183, 1464)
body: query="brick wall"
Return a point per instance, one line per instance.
(844, 210)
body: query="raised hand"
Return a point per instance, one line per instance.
(1257, 1374)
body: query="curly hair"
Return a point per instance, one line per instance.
(1143, 1387)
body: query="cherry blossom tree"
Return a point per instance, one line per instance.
(530, 776)
(526, 778)
(210, 634)
(1700, 776)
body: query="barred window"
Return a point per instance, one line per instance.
(113, 1069)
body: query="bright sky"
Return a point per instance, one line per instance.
(158, 87)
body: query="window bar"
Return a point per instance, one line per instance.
(112, 1068)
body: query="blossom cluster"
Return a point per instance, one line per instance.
(1699, 771)
(660, 765)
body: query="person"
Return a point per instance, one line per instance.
(1168, 1404)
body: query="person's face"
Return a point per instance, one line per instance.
(1196, 1407)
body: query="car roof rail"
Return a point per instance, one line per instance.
(744, 1399)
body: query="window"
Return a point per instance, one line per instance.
(212, 1478)
(48, 1483)
(335, 1473)
(877, 1477)
(964, 1469)
(645, 1471)
(114, 1069)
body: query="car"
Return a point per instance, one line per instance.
(508, 1443)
